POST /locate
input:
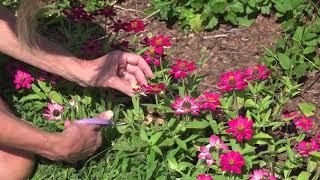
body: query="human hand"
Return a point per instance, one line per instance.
(77, 141)
(118, 70)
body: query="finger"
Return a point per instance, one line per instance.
(131, 79)
(138, 74)
(67, 124)
(137, 60)
(99, 140)
(105, 115)
(119, 84)
(90, 127)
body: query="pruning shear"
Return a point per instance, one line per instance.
(99, 121)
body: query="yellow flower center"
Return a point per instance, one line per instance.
(231, 162)
(240, 128)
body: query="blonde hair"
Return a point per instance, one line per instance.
(27, 22)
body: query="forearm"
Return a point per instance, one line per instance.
(21, 135)
(48, 57)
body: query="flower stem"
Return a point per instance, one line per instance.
(235, 102)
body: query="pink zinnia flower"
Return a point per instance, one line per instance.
(53, 111)
(186, 105)
(160, 41)
(305, 148)
(209, 101)
(151, 56)
(241, 128)
(304, 122)
(204, 177)
(206, 155)
(257, 72)
(232, 161)
(216, 142)
(23, 79)
(232, 80)
(135, 26)
(182, 68)
(262, 174)
(154, 88)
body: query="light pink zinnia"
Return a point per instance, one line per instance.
(262, 174)
(257, 72)
(204, 177)
(304, 148)
(232, 80)
(232, 162)
(186, 105)
(23, 79)
(206, 155)
(182, 68)
(241, 128)
(216, 142)
(53, 111)
(209, 101)
(304, 122)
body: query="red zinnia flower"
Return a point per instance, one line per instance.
(186, 105)
(304, 122)
(257, 72)
(135, 26)
(232, 80)
(154, 88)
(240, 128)
(160, 41)
(232, 161)
(182, 68)
(305, 148)
(204, 177)
(209, 101)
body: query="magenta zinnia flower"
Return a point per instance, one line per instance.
(304, 148)
(160, 41)
(232, 161)
(262, 174)
(135, 26)
(186, 105)
(204, 177)
(232, 80)
(209, 101)
(257, 72)
(206, 155)
(151, 56)
(304, 122)
(53, 111)
(23, 79)
(216, 142)
(182, 68)
(241, 128)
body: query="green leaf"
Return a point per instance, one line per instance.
(311, 166)
(156, 149)
(196, 23)
(212, 23)
(218, 7)
(29, 97)
(262, 135)
(236, 7)
(244, 21)
(181, 144)
(43, 86)
(173, 164)
(309, 50)
(167, 142)
(298, 35)
(250, 103)
(143, 135)
(35, 89)
(300, 70)
(304, 175)
(155, 137)
(307, 109)
(53, 95)
(197, 124)
(265, 10)
(284, 60)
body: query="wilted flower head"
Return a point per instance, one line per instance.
(186, 105)
(304, 122)
(135, 26)
(262, 174)
(53, 111)
(204, 177)
(206, 155)
(217, 143)
(77, 13)
(304, 148)
(257, 72)
(232, 162)
(22, 79)
(182, 68)
(241, 128)
(233, 80)
(209, 101)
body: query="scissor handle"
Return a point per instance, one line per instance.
(95, 121)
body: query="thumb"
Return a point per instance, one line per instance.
(67, 124)
(106, 115)
(122, 86)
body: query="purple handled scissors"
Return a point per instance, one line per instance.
(99, 121)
